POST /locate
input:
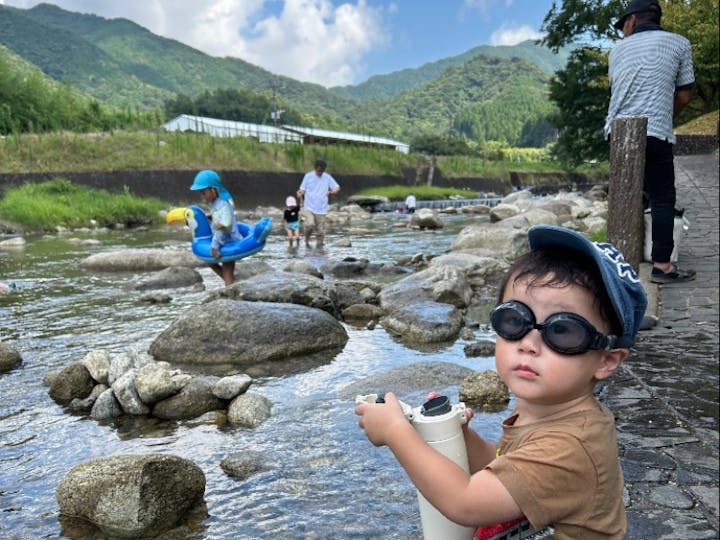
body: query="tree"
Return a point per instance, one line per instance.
(578, 90)
(582, 95)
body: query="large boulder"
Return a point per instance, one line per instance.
(137, 496)
(426, 218)
(282, 287)
(170, 278)
(131, 260)
(493, 239)
(425, 322)
(244, 333)
(443, 284)
(479, 270)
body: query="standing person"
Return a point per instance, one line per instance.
(410, 203)
(291, 217)
(315, 188)
(223, 221)
(651, 75)
(568, 311)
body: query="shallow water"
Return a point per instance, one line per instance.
(326, 480)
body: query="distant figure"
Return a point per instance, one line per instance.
(651, 75)
(291, 217)
(223, 221)
(316, 187)
(515, 181)
(410, 204)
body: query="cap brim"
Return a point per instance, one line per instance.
(620, 22)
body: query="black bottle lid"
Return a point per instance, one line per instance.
(436, 406)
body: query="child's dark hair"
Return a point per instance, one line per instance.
(555, 267)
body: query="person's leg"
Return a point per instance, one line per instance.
(660, 187)
(308, 226)
(228, 273)
(217, 268)
(289, 235)
(320, 230)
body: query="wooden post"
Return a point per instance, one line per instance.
(625, 226)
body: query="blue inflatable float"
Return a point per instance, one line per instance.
(254, 236)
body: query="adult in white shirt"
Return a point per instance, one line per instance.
(315, 188)
(410, 203)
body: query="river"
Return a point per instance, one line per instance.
(325, 481)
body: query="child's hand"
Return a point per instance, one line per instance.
(215, 253)
(378, 420)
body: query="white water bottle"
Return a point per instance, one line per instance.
(440, 425)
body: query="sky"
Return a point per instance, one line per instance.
(328, 42)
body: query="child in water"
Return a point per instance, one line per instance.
(223, 221)
(291, 217)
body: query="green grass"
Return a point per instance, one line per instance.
(59, 202)
(398, 193)
(153, 150)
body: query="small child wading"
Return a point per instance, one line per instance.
(567, 314)
(291, 217)
(223, 221)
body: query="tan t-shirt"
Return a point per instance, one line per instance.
(564, 473)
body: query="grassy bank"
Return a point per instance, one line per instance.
(58, 152)
(47, 205)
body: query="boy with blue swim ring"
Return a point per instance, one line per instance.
(223, 221)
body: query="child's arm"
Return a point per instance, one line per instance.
(480, 499)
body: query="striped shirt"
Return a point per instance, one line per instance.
(645, 69)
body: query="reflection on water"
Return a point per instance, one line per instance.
(326, 480)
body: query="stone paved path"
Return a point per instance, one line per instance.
(666, 397)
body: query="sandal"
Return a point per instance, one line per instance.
(676, 275)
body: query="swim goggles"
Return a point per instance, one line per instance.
(565, 333)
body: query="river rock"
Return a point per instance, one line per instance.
(122, 362)
(145, 260)
(158, 380)
(244, 333)
(427, 376)
(72, 382)
(106, 406)
(486, 391)
(424, 322)
(479, 270)
(249, 410)
(126, 393)
(136, 496)
(494, 240)
(97, 363)
(282, 287)
(541, 216)
(443, 284)
(242, 465)
(303, 267)
(170, 278)
(194, 399)
(9, 358)
(231, 386)
(426, 218)
(361, 314)
(86, 404)
(480, 348)
(245, 269)
(503, 211)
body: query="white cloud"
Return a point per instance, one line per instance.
(484, 5)
(507, 35)
(309, 40)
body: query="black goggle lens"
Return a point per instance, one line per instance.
(566, 333)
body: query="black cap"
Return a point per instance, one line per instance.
(637, 6)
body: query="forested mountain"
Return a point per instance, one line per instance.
(494, 95)
(392, 84)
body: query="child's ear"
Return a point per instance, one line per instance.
(609, 362)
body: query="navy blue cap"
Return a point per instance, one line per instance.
(621, 281)
(637, 6)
